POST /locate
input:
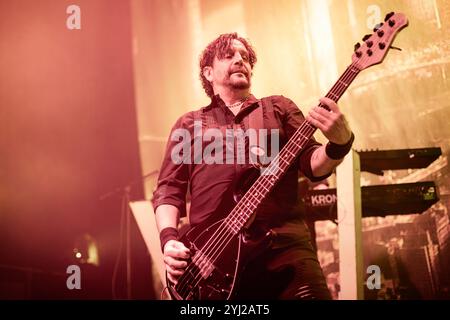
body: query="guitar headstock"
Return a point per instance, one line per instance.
(375, 46)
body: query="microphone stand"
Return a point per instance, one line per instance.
(128, 185)
(126, 190)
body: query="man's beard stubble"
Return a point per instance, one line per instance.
(241, 85)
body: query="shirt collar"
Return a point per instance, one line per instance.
(217, 101)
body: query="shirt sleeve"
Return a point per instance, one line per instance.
(174, 174)
(292, 121)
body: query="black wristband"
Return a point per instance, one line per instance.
(167, 234)
(338, 151)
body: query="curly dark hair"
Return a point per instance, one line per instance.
(219, 48)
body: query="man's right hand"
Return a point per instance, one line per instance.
(175, 256)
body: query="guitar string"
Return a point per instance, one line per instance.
(339, 87)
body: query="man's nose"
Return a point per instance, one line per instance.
(238, 59)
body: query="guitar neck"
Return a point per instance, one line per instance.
(245, 208)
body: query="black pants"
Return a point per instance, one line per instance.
(289, 272)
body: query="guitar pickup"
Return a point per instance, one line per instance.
(203, 264)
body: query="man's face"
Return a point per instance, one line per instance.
(233, 70)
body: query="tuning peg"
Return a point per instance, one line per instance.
(395, 48)
(388, 16)
(367, 36)
(357, 46)
(378, 26)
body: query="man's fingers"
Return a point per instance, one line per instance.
(315, 123)
(177, 250)
(174, 272)
(176, 253)
(318, 120)
(174, 262)
(182, 247)
(322, 115)
(330, 104)
(325, 113)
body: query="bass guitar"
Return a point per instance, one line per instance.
(220, 249)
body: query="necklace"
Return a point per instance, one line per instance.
(236, 107)
(237, 104)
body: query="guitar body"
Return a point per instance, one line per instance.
(215, 281)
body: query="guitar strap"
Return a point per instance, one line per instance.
(264, 110)
(256, 116)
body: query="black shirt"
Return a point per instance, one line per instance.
(211, 184)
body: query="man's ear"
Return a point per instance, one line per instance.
(207, 73)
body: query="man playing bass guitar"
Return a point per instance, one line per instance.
(288, 267)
